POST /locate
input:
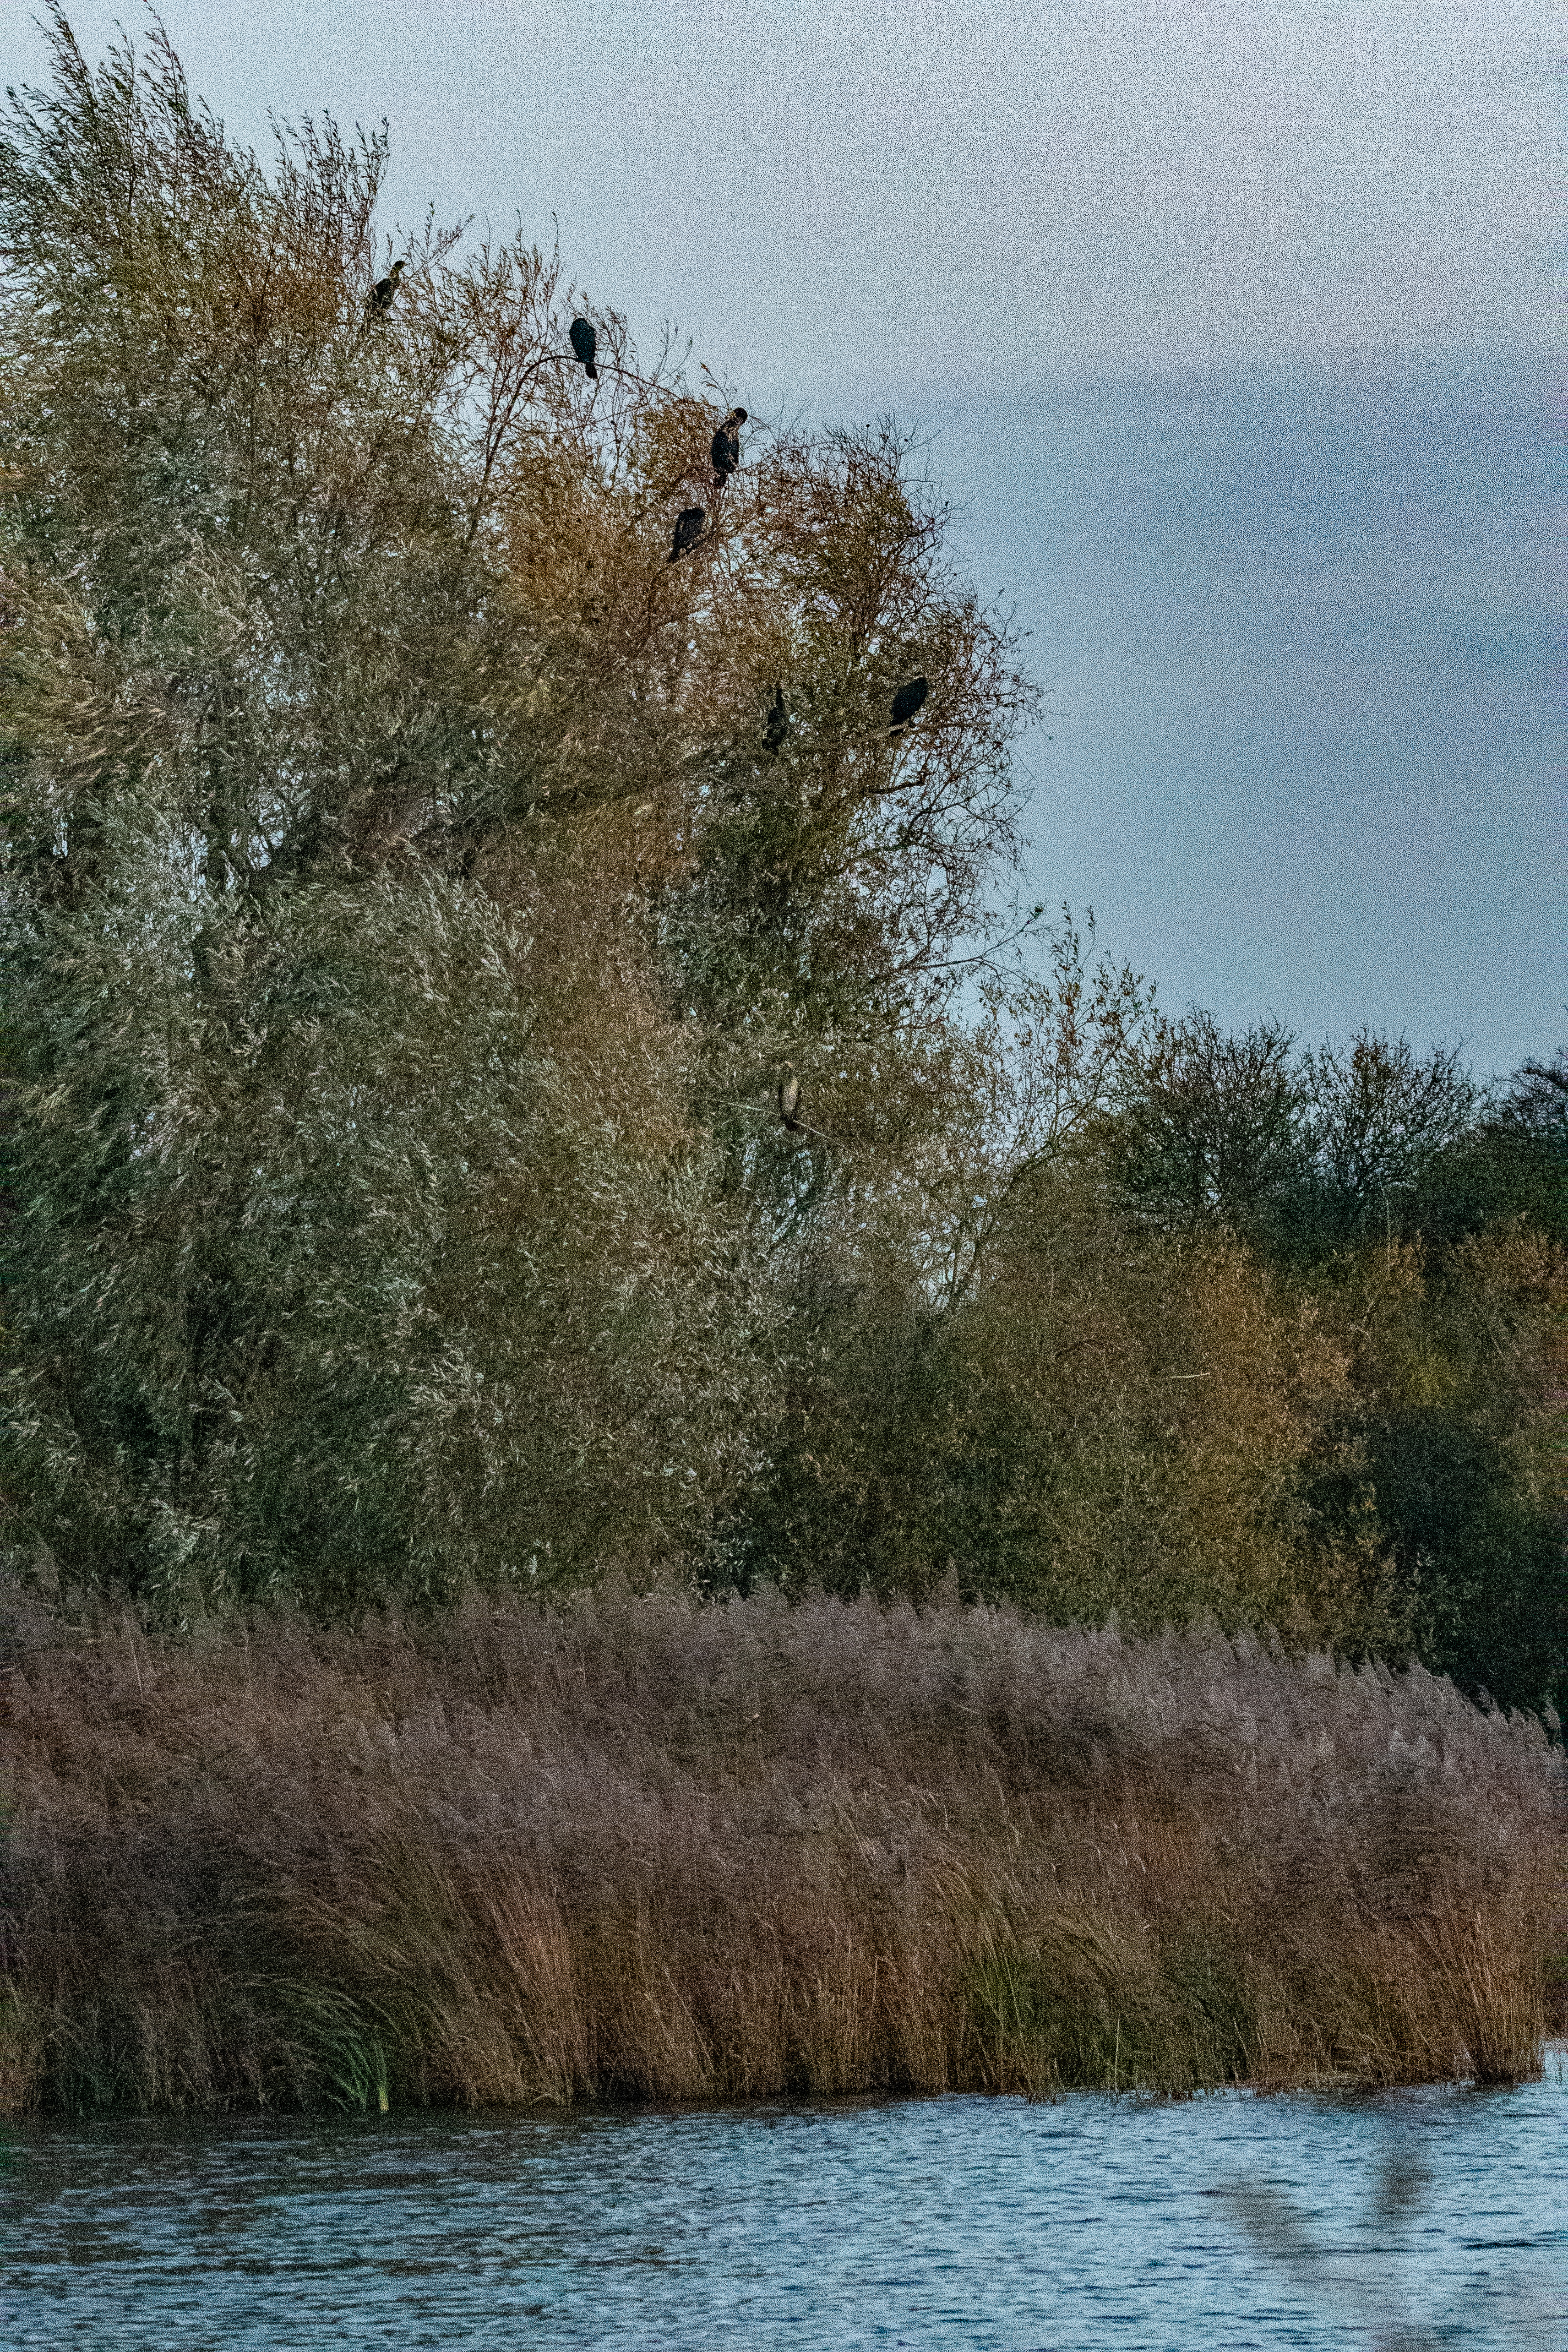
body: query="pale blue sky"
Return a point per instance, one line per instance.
(1297, 631)
(1229, 324)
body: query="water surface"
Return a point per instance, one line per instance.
(1419, 2218)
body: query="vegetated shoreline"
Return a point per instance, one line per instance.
(628, 1848)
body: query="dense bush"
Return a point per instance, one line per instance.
(1424, 1225)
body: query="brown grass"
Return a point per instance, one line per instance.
(639, 1848)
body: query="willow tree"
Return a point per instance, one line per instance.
(407, 911)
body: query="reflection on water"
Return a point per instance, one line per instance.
(1426, 2217)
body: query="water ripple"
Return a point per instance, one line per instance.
(1422, 2218)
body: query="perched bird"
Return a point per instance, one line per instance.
(383, 292)
(778, 727)
(585, 343)
(789, 1102)
(906, 702)
(726, 450)
(688, 529)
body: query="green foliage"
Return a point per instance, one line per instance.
(1093, 2006)
(1109, 1424)
(1425, 1224)
(1451, 1449)
(334, 1250)
(483, 1104)
(1311, 1153)
(1513, 1162)
(385, 1211)
(338, 2045)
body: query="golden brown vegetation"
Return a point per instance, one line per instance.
(1366, 1453)
(642, 1848)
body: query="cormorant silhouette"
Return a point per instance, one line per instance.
(585, 343)
(778, 727)
(383, 292)
(906, 702)
(688, 529)
(726, 449)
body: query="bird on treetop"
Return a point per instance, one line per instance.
(778, 722)
(726, 449)
(906, 702)
(382, 293)
(585, 343)
(789, 1099)
(688, 529)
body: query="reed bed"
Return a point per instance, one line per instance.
(643, 1848)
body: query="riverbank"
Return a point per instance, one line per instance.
(642, 1849)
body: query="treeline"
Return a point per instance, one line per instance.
(1282, 1340)
(511, 1068)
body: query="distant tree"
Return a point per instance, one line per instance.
(1531, 1129)
(1211, 1130)
(888, 1270)
(1043, 1068)
(1306, 1154)
(1447, 1453)
(1509, 1164)
(1379, 1119)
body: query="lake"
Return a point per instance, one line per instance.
(1414, 2219)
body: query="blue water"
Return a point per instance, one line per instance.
(1226, 2222)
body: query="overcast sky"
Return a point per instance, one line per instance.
(1296, 251)
(832, 199)
(1297, 634)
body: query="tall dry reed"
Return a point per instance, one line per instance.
(643, 1848)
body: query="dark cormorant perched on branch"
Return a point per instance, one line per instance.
(585, 343)
(906, 702)
(383, 292)
(726, 449)
(778, 722)
(688, 529)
